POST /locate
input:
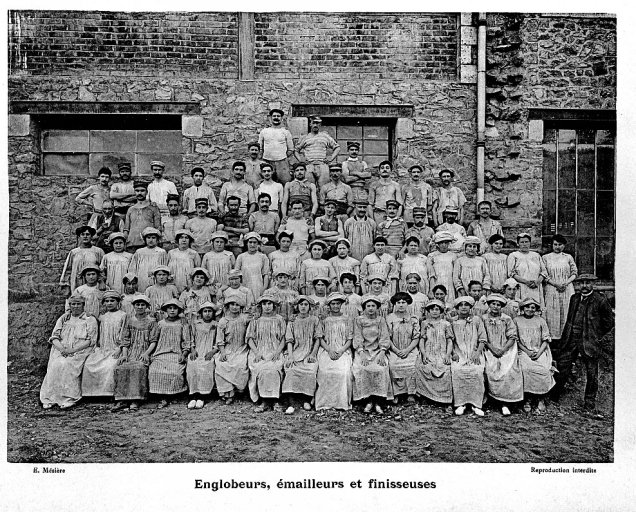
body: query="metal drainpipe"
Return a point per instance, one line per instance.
(481, 103)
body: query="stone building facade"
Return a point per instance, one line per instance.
(405, 82)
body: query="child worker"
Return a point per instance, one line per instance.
(535, 356)
(137, 343)
(379, 262)
(115, 264)
(470, 267)
(413, 262)
(161, 291)
(433, 371)
(303, 337)
(266, 339)
(196, 294)
(130, 292)
(254, 265)
(467, 364)
(335, 377)
(235, 288)
(90, 291)
(200, 365)
(81, 256)
(166, 374)
(497, 263)
(351, 307)
(503, 372)
(315, 267)
(441, 264)
(376, 290)
(231, 371)
(320, 285)
(371, 342)
(182, 259)
(418, 299)
(219, 262)
(285, 259)
(287, 298)
(98, 376)
(147, 258)
(342, 262)
(404, 333)
(510, 288)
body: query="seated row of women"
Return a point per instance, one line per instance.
(323, 362)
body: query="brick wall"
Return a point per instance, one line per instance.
(71, 42)
(421, 46)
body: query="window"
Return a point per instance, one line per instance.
(80, 144)
(375, 135)
(579, 191)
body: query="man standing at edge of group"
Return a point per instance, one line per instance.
(590, 318)
(140, 216)
(484, 227)
(447, 195)
(278, 145)
(159, 188)
(123, 192)
(312, 149)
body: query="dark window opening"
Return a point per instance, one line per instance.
(81, 144)
(579, 192)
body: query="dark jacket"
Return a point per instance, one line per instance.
(598, 321)
(102, 234)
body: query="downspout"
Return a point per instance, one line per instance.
(481, 103)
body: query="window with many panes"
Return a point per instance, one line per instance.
(579, 192)
(81, 144)
(374, 135)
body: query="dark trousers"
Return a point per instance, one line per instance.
(565, 358)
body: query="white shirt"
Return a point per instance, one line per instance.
(275, 191)
(275, 143)
(158, 193)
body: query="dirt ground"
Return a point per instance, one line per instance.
(220, 433)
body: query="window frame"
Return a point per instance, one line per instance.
(118, 122)
(600, 121)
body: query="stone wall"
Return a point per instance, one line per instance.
(536, 61)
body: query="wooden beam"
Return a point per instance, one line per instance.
(246, 45)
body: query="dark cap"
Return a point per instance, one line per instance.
(124, 165)
(392, 202)
(353, 144)
(275, 110)
(140, 184)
